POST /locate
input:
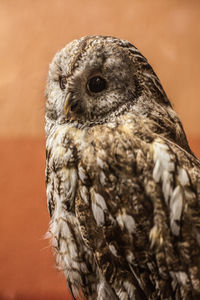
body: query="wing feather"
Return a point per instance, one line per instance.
(142, 216)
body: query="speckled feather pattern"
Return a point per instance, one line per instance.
(123, 186)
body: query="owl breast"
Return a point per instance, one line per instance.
(72, 255)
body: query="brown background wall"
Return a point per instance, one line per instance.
(166, 32)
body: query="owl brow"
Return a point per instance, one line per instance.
(58, 70)
(82, 47)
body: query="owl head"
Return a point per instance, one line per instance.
(97, 78)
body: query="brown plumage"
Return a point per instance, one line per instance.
(123, 186)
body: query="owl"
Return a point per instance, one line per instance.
(123, 186)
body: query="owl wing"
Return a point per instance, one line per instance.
(138, 209)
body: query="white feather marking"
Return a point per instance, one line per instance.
(98, 207)
(113, 250)
(127, 291)
(163, 168)
(104, 291)
(174, 280)
(130, 257)
(129, 287)
(182, 277)
(176, 206)
(125, 220)
(82, 174)
(120, 221)
(68, 184)
(100, 200)
(183, 177)
(155, 236)
(129, 223)
(102, 178)
(84, 194)
(100, 162)
(161, 153)
(157, 171)
(166, 184)
(98, 214)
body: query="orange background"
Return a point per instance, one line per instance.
(166, 32)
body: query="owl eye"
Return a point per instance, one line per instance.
(96, 84)
(62, 82)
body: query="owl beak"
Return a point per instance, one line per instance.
(68, 101)
(71, 106)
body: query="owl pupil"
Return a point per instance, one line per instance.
(96, 84)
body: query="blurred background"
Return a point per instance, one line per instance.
(166, 32)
